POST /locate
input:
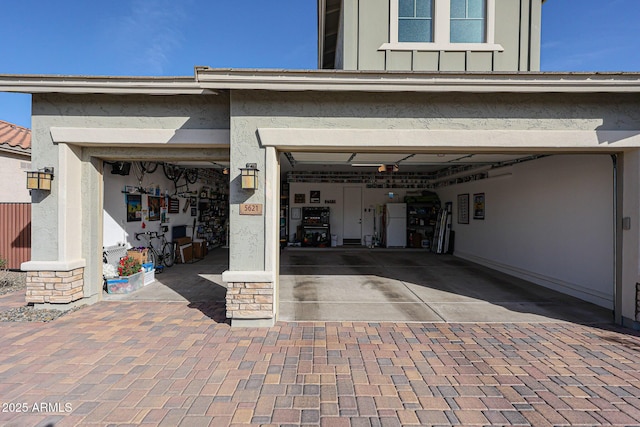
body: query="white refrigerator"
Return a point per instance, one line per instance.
(396, 225)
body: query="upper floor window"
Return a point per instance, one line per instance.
(468, 21)
(415, 21)
(446, 25)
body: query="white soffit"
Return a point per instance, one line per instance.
(114, 137)
(426, 140)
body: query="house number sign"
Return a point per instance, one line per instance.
(251, 209)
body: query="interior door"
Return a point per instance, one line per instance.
(352, 215)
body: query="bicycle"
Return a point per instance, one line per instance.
(166, 255)
(174, 173)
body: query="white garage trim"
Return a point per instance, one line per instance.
(53, 265)
(401, 140)
(248, 276)
(88, 137)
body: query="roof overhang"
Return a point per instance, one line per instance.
(210, 81)
(6, 148)
(390, 81)
(101, 85)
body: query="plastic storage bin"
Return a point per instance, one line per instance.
(125, 284)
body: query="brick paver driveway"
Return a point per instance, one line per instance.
(158, 363)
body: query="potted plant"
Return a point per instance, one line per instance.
(128, 266)
(130, 277)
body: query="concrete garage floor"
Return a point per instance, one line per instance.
(412, 285)
(398, 285)
(200, 281)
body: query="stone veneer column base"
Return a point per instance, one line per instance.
(55, 287)
(250, 300)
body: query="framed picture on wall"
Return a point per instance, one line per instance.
(299, 198)
(463, 208)
(154, 208)
(314, 197)
(478, 206)
(174, 206)
(134, 207)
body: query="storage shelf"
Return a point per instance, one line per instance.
(213, 214)
(421, 208)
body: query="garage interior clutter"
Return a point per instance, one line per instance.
(474, 206)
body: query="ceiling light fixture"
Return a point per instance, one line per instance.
(388, 168)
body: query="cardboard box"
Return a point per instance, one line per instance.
(186, 253)
(180, 241)
(140, 256)
(199, 249)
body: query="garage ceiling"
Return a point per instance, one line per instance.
(367, 162)
(406, 162)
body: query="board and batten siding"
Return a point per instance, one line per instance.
(365, 27)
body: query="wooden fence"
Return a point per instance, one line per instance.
(15, 233)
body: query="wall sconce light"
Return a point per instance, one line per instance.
(249, 176)
(40, 179)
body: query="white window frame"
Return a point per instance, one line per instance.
(442, 30)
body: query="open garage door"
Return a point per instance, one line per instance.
(531, 237)
(171, 216)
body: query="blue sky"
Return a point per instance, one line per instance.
(170, 37)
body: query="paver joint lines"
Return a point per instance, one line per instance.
(171, 364)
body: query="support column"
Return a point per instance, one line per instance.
(250, 298)
(56, 272)
(250, 278)
(55, 287)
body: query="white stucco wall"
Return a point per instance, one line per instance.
(117, 229)
(12, 170)
(550, 222)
